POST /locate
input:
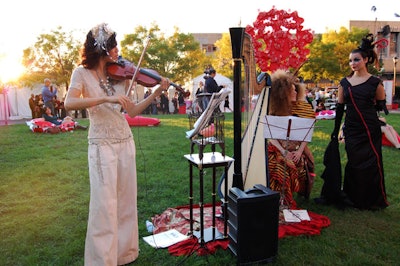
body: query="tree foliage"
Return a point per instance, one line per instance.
(329, 54)
(177, 57)
(54, 55)
(222, 59)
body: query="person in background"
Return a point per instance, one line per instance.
(390, 133)
(302, 108)
(32, 105)
(147, 110)
(198, 100)
(211, 86)
(226, 104)
(164, 102)
(63, 112)
(112, 233)
(318, 97)
(200, 89)
(320, 107)
(48, 93)
(38, 106)
(363, 95)
(57, 104)
(175, 102)
(50, 117)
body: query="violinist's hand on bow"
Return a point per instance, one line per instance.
(123, 100)
(164, 85)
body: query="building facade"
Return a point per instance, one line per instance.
(207, 41)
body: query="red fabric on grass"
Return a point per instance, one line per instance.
(312, 227)
(178, 218)
(192, 245)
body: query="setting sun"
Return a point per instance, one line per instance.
(10, 69)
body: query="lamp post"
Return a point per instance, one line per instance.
(395, 59)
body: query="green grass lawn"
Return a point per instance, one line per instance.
(44, 197)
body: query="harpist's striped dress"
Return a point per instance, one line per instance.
(286, 176)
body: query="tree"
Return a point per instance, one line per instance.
(54, 56)
(222, 59)
(329, 54)
(178, 57)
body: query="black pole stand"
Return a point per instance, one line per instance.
(237, 45)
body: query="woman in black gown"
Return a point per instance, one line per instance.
(363, 95)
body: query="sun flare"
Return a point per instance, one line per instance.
(10, 69)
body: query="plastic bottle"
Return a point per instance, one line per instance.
(149, 226)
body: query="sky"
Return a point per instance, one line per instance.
(22, 21)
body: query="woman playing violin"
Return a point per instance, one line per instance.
(112, 232)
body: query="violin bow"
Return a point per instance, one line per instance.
(138, 66)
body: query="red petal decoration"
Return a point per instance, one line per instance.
(279, 40)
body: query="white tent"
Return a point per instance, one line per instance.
(221, 80)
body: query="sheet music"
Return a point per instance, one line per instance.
(165, 239)
(295, 216)
(202, 122)
(276, 127)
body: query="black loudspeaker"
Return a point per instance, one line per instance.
(253, 219)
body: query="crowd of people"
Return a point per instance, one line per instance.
(322, 99)
(37, 106)
(163, 104)
(47, 98)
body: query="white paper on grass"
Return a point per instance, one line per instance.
(165, 239)
(295, 216)
(300, 129)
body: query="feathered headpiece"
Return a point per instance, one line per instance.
(367, 43)
(101, 34)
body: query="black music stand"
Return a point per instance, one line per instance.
(288, 128)
(201, 133)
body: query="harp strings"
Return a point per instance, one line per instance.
(250, 89)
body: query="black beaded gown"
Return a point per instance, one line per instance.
(364, 181)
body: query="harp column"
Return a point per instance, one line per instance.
(237, 45)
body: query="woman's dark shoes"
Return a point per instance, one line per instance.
(341, 202)
(321, 201)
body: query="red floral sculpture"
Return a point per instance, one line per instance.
(279, 40)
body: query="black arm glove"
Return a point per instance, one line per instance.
(338, 120)
(381, 106)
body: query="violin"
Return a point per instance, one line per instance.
(124, 69)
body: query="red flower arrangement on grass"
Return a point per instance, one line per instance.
(279, 40)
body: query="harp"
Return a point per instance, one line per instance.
(250, 106)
